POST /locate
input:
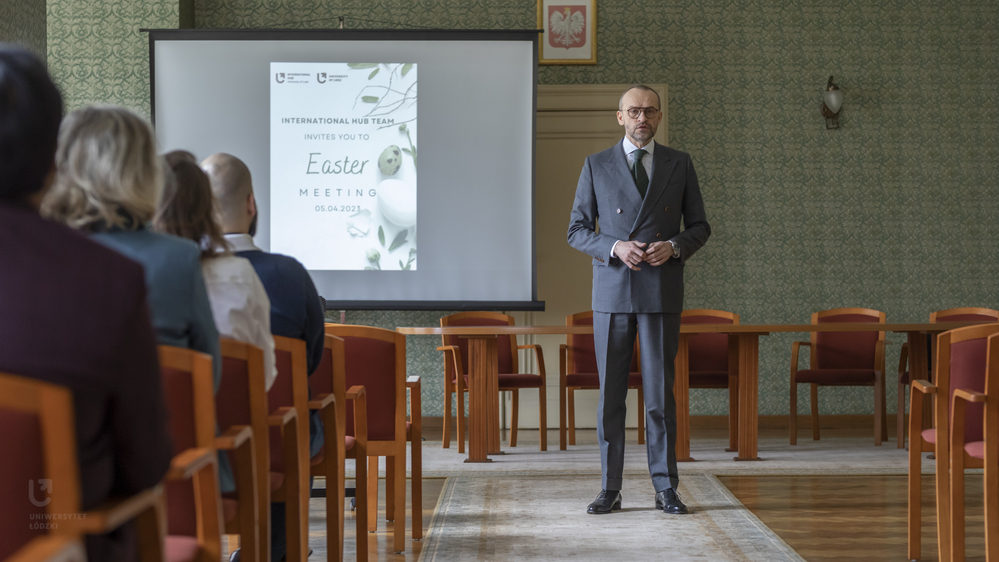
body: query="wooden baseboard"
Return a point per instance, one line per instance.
(436, 423)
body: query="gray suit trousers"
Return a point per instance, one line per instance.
(614, 340)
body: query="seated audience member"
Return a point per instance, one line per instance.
(296, 311)
(239, 302)
(75, 312)
(108, 181)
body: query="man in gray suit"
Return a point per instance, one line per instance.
(638, 190)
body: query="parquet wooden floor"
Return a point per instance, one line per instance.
(859, 518)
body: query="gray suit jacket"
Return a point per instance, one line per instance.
(606, 194)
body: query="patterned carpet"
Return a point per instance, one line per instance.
(511, 518)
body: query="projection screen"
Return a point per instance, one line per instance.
(397, 166)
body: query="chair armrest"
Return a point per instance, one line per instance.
(51, 548)
(234, 438)
(357, 394)
(924, 387)
(116, 512)
(415, 407)
(322, 402)
(903, 360)
(188, 463)
(563, 356)
(282, 417)
(969, 396)
(879, 356)
(413, 382)
(539, 357)
(794, 356)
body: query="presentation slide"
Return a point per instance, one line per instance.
(343, 164)
(396, 165)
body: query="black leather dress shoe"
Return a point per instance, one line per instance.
(606, 502)
(669, 502)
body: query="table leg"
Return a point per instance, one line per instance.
(481, 360)
(749, 366)
(681, 391)
(733, 394)
(919, 369)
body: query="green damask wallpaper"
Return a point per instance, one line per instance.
(97, 54)
(897, 210)
(23, 22)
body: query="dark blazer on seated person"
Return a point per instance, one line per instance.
(74, 313)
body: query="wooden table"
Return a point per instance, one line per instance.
(483, 415)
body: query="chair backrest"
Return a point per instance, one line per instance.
(961, 363)
(242, 400)
(375, 359)
(966, 314)
(189, 393)
(38, 448)
(506, 347)
(329, 376)
(846, 350)
(708, 352)
(581, 354)
(290, 389)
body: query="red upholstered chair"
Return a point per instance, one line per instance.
(578, 371)
(195, 515)
(241, 401)
(510, 378)
(968, 314)
(289, 447)
(842, 359)
(329, 380)
(959, 363)
(38, 442)
(711, 365)
(974, 443)
(376, 359)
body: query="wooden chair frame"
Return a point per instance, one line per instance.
(254, 535)
(394, 451)
(53, 405)
(960, 459)
(459, 389)
(733, 374)
(903, 360)
(294, 424)
(333, 467)
(922, 389)
(880, 416)
(567, 394)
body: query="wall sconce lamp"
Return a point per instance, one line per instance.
(832, 102)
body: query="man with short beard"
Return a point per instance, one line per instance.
(296, 309)
(638, 191)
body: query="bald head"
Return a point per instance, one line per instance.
(233, 190)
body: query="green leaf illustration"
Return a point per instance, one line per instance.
(381, 236)
(402, 266)
(408, 151)
(373, 73)
(369, 99)
(360, 65)
(400, 239)
(406, 68)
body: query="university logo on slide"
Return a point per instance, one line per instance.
(279, 77)
(566, 26)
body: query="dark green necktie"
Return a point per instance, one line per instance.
(641, 176)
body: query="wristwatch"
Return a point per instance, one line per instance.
(676, 249)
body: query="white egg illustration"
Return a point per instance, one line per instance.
(397, 200)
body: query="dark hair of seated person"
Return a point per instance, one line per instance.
(187, 208)
(30, 112)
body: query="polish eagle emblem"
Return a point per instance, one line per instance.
(566, 27)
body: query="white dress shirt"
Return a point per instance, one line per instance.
(240, 305)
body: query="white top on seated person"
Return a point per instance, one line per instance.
(240, 305)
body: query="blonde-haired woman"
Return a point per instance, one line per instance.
(108, 182)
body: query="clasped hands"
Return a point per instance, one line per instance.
(631, 253)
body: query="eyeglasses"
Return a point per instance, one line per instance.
(650, 112)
